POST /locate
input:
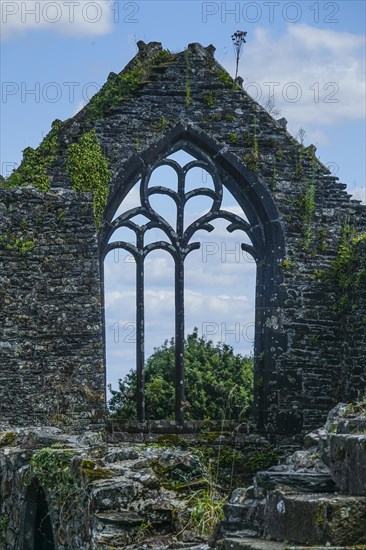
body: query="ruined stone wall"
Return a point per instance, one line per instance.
(305, 359)
(51, 345)
(353, 380)
(299, 365)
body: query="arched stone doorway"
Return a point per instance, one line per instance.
(37, 525)
(261, 225)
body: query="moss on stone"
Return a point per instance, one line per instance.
(7, 439)
(226, 80)
(93, 472)
(36, 163)
(171, 440)
(123, 86)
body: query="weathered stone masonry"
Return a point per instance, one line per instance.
(307, 356)
(51, 346)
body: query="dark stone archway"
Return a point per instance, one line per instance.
(264, 230)
(36, 521)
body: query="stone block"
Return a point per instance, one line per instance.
(348, 463)
(310, 519)
(301, 481)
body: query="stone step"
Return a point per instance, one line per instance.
(112, 495)
(301, 481)
(120, 519)
(249, 544)
(237, 511)
(261, 544)
(230, 528)
(348, 462)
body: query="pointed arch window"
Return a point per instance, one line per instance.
(178, 240)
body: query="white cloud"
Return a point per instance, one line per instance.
(324, 69)
(78, 18)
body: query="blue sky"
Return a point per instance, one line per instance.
(56, 54)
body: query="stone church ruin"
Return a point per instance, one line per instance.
(57, 217)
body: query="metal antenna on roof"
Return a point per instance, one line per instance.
(238, 39)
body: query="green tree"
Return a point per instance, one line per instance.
(218, 383)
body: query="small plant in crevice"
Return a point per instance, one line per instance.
(233, 137)
(18, 244)
(226, 80)
(89, 171)
(209, 99)
(273, 183)
(287, 264)
(162, 123)
(251, 158)
(248, 138)
(228, 117)
(321, 238)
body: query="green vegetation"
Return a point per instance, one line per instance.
(121, 87)
(92, 471)
(233, 137)
(162, 124)
(279, 154)
(18, 244)
(54, 470)
(7, 439)
(34, 167)
(227, 80)
(321, 237)
(262, 459)
(206, 510)
(248, 138)
(4, 524)
(188, 85)
(163, 57)
(89, 171)
(273, 183)
(251, 159)
(209, 99)
(307, 207)
(118, 88)
(287, 264)
(348, 270)
(218, 383)
(228, 117)
(298, 161)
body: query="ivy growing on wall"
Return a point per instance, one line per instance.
(34, 167)
(307, 205)
(89, 171)
(348, 270)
